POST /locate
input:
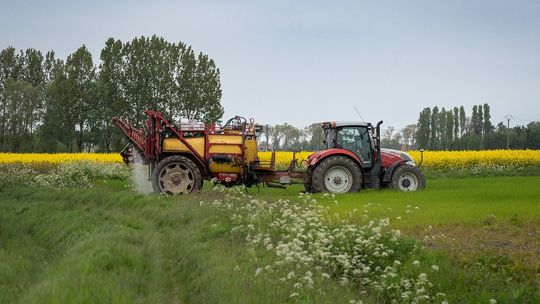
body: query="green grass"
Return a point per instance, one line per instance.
(109, 244)
(467, 218)
(453, 201)
(444, 201)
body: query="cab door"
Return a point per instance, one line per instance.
(357, 140)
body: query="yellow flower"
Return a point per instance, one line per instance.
(442, 160)
(478, 159)
(30, 158)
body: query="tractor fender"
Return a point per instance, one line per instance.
(390, 171)
(315, 158)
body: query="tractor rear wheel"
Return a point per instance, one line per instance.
(408, 178)
(336, 174)
(176, 175)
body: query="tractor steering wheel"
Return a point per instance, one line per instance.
(349, 145)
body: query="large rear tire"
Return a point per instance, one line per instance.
(408, 178)
(176, 175)
(336, 174)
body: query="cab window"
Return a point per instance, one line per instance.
(356, 139)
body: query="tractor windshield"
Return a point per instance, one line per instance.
(357, 140)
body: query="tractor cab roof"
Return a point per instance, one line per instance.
(338, 124)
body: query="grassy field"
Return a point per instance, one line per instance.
(111, 244)
(444, 201)
(466, 218)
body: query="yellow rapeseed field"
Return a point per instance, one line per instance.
(448, 160)
(283, 158)
(29, 158)
(444, 160)
(478, 159)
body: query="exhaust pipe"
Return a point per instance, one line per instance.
(376, 176)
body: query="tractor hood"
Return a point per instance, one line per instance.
(390, 156)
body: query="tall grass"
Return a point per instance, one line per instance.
(110, 244)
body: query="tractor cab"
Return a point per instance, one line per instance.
(356, 137)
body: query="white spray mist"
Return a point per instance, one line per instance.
(140, 174)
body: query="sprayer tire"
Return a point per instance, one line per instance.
(176, 175)
(346, 171)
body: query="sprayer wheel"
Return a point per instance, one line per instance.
(176, 175)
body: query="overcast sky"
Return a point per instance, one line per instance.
(309, 61)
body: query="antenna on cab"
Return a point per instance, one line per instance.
(358, 112)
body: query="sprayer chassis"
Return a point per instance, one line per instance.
(202, 152)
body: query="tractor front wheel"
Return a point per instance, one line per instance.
(336, 174)
(408, 178)
(176, 175)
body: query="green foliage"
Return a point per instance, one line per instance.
(79, 174)
(453, 130)
(424, 129)
(24, 103)
(71, 102)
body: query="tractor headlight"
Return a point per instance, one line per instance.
(408, 159)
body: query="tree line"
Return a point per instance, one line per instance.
(452, 129)
(49, 104)
(285, 137)
(436, 129)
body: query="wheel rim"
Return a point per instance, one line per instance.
(176, 178)
(408, 182)
(338, 179)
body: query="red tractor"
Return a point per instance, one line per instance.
(353, 160)
(180, 156)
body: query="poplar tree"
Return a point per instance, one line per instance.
(474, 119)
(487, 126)
(423, 128)
(456, 123)
(434, 142)
(110, 99)
(449, 130)
(8, 70)
(462, 121)
(81, 75)
(480, 121)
